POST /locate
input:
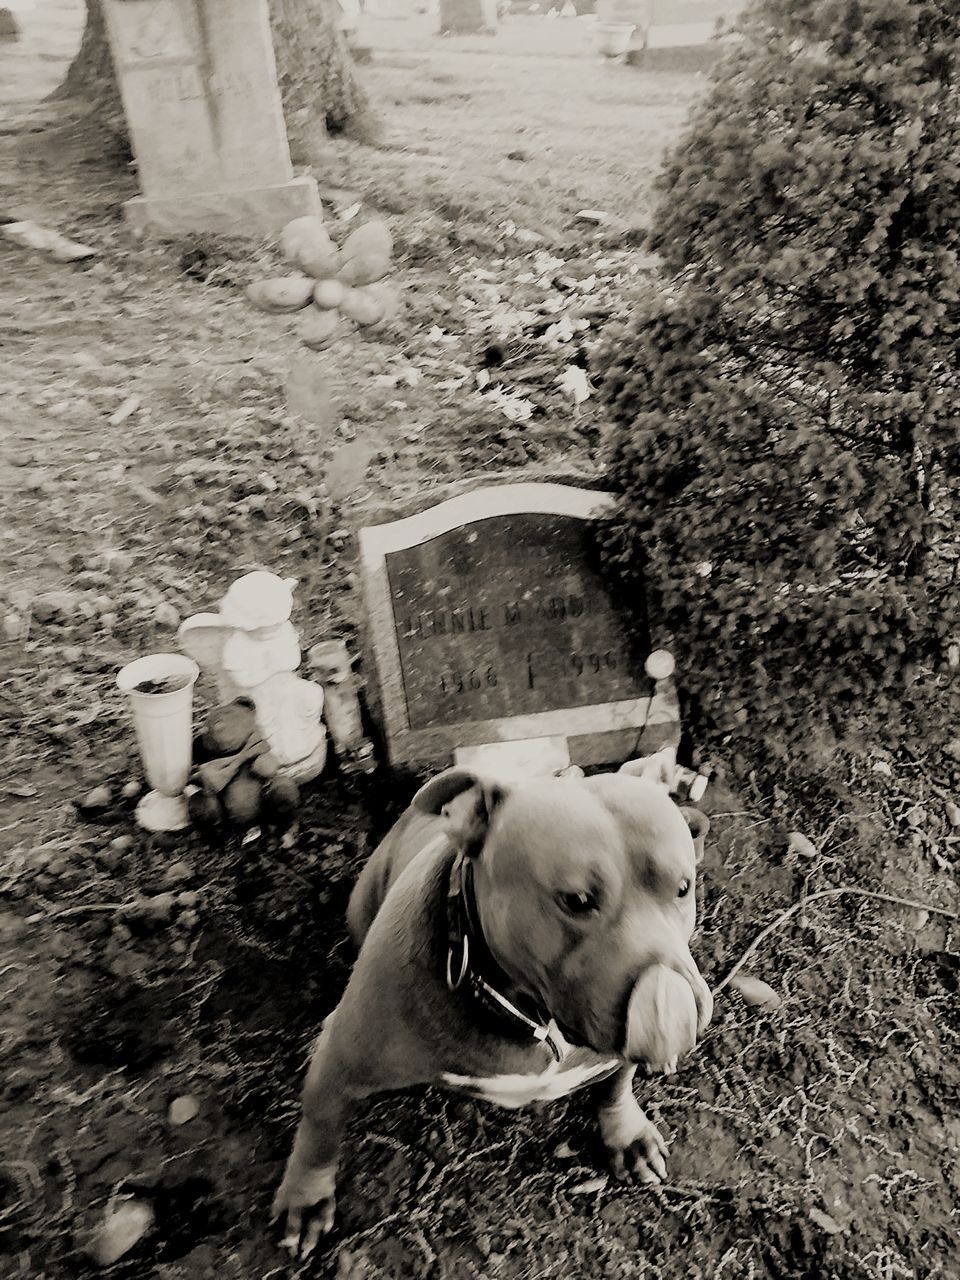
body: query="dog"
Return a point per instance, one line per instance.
(517, 940)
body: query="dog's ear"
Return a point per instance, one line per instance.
(660, 768)
(699, 825)
(467, 801)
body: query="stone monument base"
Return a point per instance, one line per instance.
(260, 211)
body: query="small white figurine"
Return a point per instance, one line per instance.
(251, 649)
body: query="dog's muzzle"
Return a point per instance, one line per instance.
(669, 1007)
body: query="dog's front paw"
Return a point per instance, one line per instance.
(643, 1154)
(306, 1199)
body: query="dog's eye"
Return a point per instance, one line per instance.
(683, 888)
(579, 903)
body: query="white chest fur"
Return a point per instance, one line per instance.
(556, 1081)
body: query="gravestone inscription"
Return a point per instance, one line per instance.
(492, 622)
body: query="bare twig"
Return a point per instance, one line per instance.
(784, 916)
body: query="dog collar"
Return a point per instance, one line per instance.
(472, 967)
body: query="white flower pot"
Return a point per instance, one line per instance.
(163, 722)
(612, 39)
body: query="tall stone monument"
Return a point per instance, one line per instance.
(199, 88)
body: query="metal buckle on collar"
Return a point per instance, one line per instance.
(454, 983)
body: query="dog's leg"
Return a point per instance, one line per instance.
(633, 1142)
(307, 1194)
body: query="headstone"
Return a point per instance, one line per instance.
(199, 88)
(490, 622)
(634, 12)
(468, 17)
(681, 34)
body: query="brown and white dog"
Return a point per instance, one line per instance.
(516, 941)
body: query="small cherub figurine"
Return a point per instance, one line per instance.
(251, 649)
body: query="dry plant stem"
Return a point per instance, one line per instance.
(825, 893)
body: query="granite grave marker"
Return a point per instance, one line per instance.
(490, 622)
(199, 88)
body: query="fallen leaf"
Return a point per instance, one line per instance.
(595, 217)
(824, 1221)
(755, 992)
(129, 407)
(797, 842)
(22, 790)
(586, 1188)
(575, 383)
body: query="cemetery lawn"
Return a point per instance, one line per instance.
(145, 461)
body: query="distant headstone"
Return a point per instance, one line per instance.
(490, 622)
(199, 88)
(681, 34)
(468, 17)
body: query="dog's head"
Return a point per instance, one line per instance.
(585, 889)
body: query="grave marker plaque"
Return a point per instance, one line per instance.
(491, 622)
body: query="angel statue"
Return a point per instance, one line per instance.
(251, 650)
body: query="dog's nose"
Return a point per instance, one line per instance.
(665, 1013)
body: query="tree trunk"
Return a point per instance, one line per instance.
(315, 72)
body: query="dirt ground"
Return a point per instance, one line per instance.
(146, 459)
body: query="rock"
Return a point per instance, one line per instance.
(178, 873)
(95, 801)
(166, 615)
(361, 307)
(188, 898)
(156, 908)
(953, 813)
(373, 238)
(131, 789)
(318, 329)
(183, 1109)
(952, 749)
(363, 270)
(54, 606)
(122, 844)
(282, 295)
(120, 1232)
(328, 294)
(306, 243)
(13, 627)
(755, 992)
